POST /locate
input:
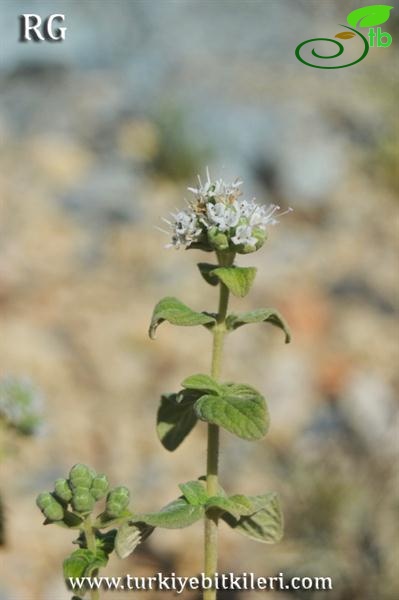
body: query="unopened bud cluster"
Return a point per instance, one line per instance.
(83, 488)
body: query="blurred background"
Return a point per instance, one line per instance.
(99, 137)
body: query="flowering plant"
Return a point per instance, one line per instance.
(219, 220)
(216, 220)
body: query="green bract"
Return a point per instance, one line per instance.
(81, 476)
(50, 507)
(99, 487)
(117, 501)
(62, 490)
(82, 500)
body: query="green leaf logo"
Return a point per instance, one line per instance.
(369, 16)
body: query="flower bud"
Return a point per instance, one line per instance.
(82, 500)
(62, 490)
(99, 487)
(49, 506)
(81, 476)
(117, 501)
(218, 240)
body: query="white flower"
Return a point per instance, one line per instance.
(219, 190)
(222, 215)
(217, 205)
(185, 228)
(244, 236)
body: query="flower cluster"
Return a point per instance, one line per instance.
(218, 219)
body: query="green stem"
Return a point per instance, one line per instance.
(91, 545)
(211, 520)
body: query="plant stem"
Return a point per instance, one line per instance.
(211, 520)
(91, 545)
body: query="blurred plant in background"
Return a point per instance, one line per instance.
(21, 405)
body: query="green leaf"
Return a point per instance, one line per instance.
(129, 536)
(243, 504)
(104, 520)
(369, 16)
(265, 524)
(194, 492)
(265, 315)
(240, 409)
(237, 279)
(175, 312)
(176, 515)
(224, 505)
(206, 271)
(201, 382)
(176, 418)
(82, 563)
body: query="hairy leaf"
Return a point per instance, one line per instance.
(206, 271)
(129, 536)
(237, 279)
(240, 409)
(369, 16)
(201, 382)
(176, 418)
(243, 504)
(265, 315)
(265, 524)
(224, 505)
(82, 563)
(194, 492)
(176, 515)
(104, 520)
(175, 312)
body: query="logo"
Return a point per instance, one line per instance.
(31, 28)
(366, 17)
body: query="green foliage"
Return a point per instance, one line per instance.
(239, 409)
(176, 418)
(369, 16)
(175, 312)
(238, 279)
(82, 563)
(264, 523)
(201, 382)
(257, 517)
(260, 315)
(194, 492)
(206, 271)
(175, 515)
